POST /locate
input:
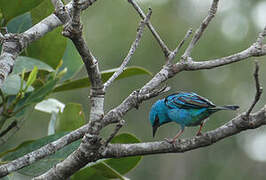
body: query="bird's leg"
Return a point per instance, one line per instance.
(171, 141)
(199, 132)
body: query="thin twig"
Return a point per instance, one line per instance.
(117, 128)
(201, 29)
(163, 46)
(130, 52)
(174, 53)
(258, 89)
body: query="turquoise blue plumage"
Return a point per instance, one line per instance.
(186, 109)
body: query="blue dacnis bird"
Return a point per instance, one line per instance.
(186, 109)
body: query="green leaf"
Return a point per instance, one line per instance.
(85, 174)
(11, 85)
(13, 8)
(39, 94)
(71, 118)
(5, 178)
(32, 77)
(44, 164)
(110, 168)
(20, 23)
(51, 47)
(106, 171)
(16, 148)
(84, 82)
(27, 63)
(124, 165)
(71, 60)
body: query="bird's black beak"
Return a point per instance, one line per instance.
(155, 125)
(154, 129)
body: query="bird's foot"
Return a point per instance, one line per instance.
(199, 134)
(169, 140)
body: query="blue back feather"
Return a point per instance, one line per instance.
(186, 109)
(187, 101)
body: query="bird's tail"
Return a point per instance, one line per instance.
(227, 107)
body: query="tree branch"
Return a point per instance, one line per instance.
(131, 51)
(174, 53)
(235, 126)
(43, 152)
(201, 29)
(117, 128)
(163, 46)
(73, 30)
(14, 44)
(252, 51)
(132, 101)
(90, 148)
(258, 89)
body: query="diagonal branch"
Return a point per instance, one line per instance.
(235, 126)
(163, 46)
(117, 128)
(130, 52)
(201, 29)
(176, 50)
(43, 152)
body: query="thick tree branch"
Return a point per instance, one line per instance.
(14, 44)
(73, 30)
(43, 152)
(87, 151)
(61, 11)
(233, 127)
(91, 142)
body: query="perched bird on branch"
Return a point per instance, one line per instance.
(186, 109)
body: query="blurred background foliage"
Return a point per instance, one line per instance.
(110, 28)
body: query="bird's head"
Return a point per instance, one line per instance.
(158, 115)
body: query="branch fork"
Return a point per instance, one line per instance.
(90, 148)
